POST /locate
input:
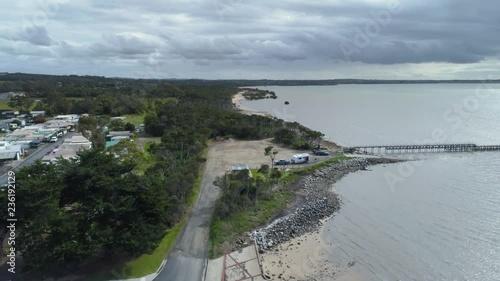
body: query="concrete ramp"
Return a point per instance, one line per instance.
(243, 265)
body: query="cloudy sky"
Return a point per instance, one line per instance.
(285, 39)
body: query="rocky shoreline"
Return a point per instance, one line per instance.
(320, 203)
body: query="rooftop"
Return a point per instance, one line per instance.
(111, 143)
(77, 139)
(66, 151)
(239, 167)
(120, 133)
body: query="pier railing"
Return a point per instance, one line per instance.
(421, 148)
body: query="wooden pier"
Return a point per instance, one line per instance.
(422, 148)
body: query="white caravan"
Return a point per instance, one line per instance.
(300, 158)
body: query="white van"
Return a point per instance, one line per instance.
(300, 158)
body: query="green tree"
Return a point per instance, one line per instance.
(116, 125)
(20, 102)
(286, 136)
(91, 128)
(129, 127)
(71, 211)
(271, 152)
(127, 151)
(313, 138)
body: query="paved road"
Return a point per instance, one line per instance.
(186, 261)
(35, 155)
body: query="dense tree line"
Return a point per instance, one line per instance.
(194, 121)
(101, 205)
(96, 206)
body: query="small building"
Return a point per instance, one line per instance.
(59, 124)
(119, 138)
(70, 117)
(241, 167)
(36, 113)
(111, 143)
(79, 140)
(65, 151)
(6, 114)
(10, 152)
(118, 135)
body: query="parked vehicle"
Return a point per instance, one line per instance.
(281, 162)
(321, 153)
(300, 158)
(36, 143)
(53, 139)
(59, 135)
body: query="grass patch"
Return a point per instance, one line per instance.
(233, 227)
(148, 263)
(4, 104)
(136, 119)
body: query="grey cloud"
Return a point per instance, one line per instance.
(271, 34)
(36, 35)
(127, 45)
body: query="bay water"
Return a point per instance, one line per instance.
(436, 217)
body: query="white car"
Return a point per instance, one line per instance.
(53, 139)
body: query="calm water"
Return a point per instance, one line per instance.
(440, 220)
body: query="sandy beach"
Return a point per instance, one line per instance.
(301, 258)
(307, 257)
(237, 101)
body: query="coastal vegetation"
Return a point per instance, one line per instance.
(90, 213)
(257, 94)
(250, 200)
(245, 203)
